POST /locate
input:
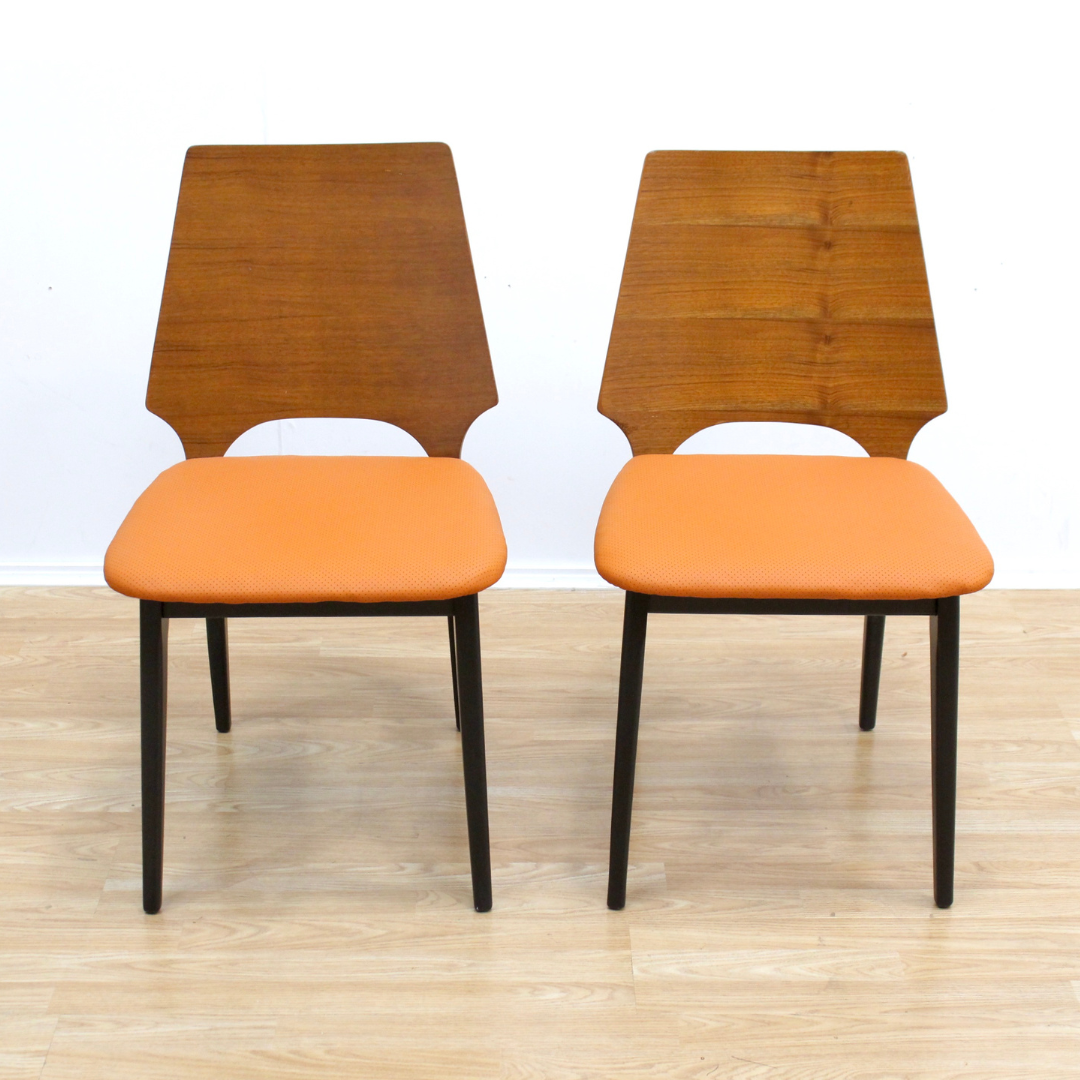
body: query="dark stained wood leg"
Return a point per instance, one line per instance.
(635, 623)
(217, 643)
(944, 677)
(471, 696)
(153, 673)
(453, 670)
(872, 642)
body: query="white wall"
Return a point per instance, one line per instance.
(549, 109)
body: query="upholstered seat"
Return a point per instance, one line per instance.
(258, 530)
(781, 526)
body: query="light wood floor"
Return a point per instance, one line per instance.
(317, 918)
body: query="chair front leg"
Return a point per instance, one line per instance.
(873, 639)
(944, 677)
(466, 619)
(635, 624)
(454, 671)
(217, 644)
(153, 674)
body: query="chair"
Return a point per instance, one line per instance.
(314, 281)
(783, 287)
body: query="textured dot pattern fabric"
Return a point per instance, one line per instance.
(786, 527)
(306, 529)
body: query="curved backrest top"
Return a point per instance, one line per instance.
(774, 286)
(320, 281)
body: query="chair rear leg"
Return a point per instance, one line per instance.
(153, 673)
(454, 671)
(944, 677)
(635, 623)
(217, 644)
(873, 639)
(471, 711)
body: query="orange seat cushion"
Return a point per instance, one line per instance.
(304, 529)
(786, 527)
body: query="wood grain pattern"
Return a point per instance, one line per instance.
(318, 918)
(774, 286)
(331, 281)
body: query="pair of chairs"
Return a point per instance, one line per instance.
(336, 281)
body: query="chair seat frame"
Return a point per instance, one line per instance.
(462, 614)
(944, 615)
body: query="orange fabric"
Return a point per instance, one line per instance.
(304, 529)
(786, 527)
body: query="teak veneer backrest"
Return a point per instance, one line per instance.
(320, 281)
(774, 286)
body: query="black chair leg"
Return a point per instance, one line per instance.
(635, 623)
(944, 676)
(873, 639)
(153, 673)
(453, 670)
(471, 695)
(217, 643)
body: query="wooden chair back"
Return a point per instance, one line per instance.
(320, 281)
(774, 286)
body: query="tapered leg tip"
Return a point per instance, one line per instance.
(151, 907)
(616, 903)
(867, 725)
(483, 906)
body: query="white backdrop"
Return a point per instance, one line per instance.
(549, 109)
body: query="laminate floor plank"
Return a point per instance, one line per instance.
(317, 918)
